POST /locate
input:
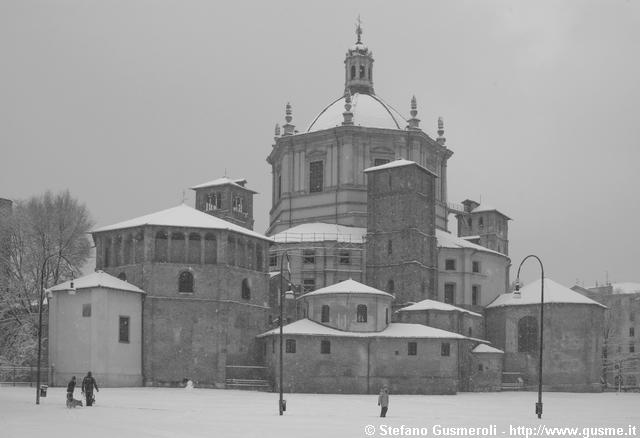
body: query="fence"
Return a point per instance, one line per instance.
(22, 376)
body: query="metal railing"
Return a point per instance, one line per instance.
(22, 375)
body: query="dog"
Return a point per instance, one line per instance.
(73, 403)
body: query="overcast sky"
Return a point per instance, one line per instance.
(128, 103)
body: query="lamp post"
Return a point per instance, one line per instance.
(40, 303)
(517, 295)
(282, 296)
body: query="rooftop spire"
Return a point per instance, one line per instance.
(414, 122)
(359, 66)
(347, 114)
(441, 139)
(289, 129)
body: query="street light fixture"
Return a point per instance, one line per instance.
(281, 406)
(40, 304)
(517, 294)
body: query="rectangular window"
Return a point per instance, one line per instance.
(476, 267)
(450, 293)
(632, 331)
(86, 310)
(279, 186)
(308, 285)
(308, 257)
(632, 348)
(445, 349)
(412, 348)
(123, 329)
(316, 175)
(325, 347)
(273, 260)
(450, 264)
(344, 257)
(380, 161)
(290, 346)
(475, 295)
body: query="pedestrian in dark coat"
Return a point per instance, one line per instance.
(71, 386)
(88, 383)
(383, 401)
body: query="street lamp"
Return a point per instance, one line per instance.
(282, 297)
(517, 295)
(44, 265)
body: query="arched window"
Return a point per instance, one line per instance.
(361, 313)
(177, 247)
(139, 256)
(246, 290)
(251, 255)
(386, 315)
(353, 72)
(161, 246)
(231, 250)
(391, 286)
(185, 282)
(370, 68)
(325, 314)
(117, 249)
(241, 249)
(107, 252)
(122, 276)
(195, 242)
(210, 249)
(259, 257)
(128, 249)
(362, 74)
(527, 334)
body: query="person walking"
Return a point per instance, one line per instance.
(383, 401)
(71, 386)
(88, 383)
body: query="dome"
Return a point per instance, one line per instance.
(368, 110)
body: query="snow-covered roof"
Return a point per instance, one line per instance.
(97, 279)
(181, 216)
(553, 293)
(397, 163)
(625, 288)
(484, 348)
(347, 287)
(448, 240)
(486, 208)
(435, 305)
(223, 182)
(320, 232)
(393, 330)
(368, 110)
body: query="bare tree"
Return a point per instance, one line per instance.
(46, 243)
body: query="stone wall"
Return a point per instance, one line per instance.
(572, 355)
(363, 366)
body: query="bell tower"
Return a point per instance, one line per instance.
(358, 66)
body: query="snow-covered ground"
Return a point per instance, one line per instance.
(163, 412)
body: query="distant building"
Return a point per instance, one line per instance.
(620, 333)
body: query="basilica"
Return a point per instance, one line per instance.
(375, 288)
